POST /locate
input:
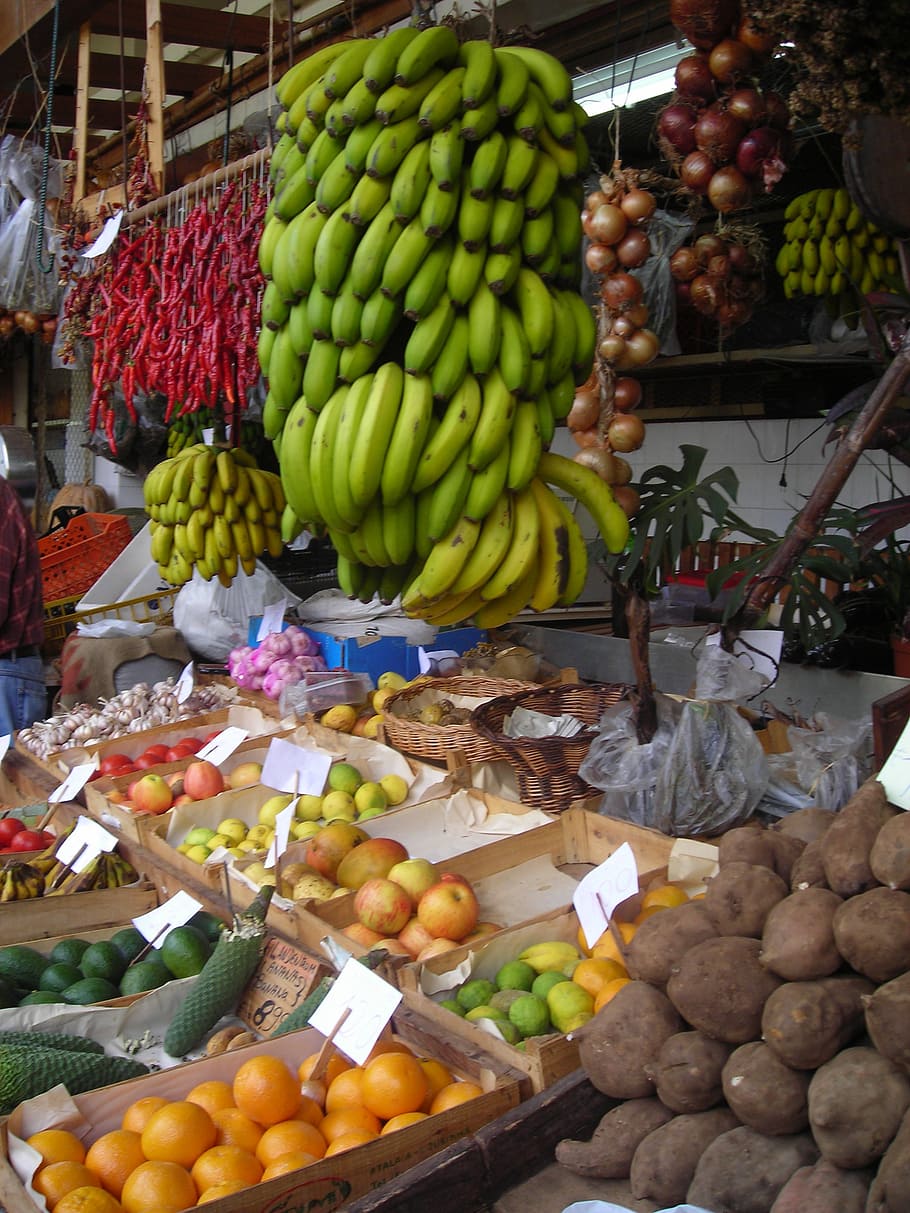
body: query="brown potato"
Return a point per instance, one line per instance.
(889, 858)
(687, 1072)
(608, 1155)
(890, 1190)
(857, 1101)
(847, 846)
(765, 1094)
(720, 988)
(743, 1171)
(624, 1037)
(872, 933)
(755, 844)
(809, 871)
(798, 940)
(805, 824)
(888, 1019)
(740, 897)
(824, 1188)
(665, 1162)
(661, 941)
(807, 1022)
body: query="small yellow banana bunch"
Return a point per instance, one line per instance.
(831, 248)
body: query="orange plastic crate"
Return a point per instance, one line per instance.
(74, 558)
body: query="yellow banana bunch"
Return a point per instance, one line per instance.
(830, 248)
(212, 510)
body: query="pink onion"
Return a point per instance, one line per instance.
(696, 172)
(693, 78)
(729, 60)
(704, 22)
(759, 156)
(718, 134)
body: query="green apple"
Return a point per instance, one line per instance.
(344, 777)
(370, 796)
(368, 813)
(309, 808)
(301, 830)
(272, 807)
(199, 836)
(339, 806)
(234, 828)
(197, 853)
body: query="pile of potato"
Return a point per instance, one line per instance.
(762, 1049)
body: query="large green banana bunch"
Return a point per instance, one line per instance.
(422, 331)
(830, 248)
(213, 510)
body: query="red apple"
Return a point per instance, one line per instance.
(27, 840)
(414, 936)
(449, 909)
(202, 779)
(436, 948)
(9, 828)
(151, 794)
(382, 905)
(361, 934)
(415, 876)
(372, 859)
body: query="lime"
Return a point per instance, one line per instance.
(210, 925)
(484, 1011)
(344, 777)
(70, 951)
(90, 989)
(40, 998)
(129, 943)
(507, 1031)
(57, 977)
(475, 993)
(451, 1005)
(185, 951)
(544, 983)
(566, 1002)
(515, 975)
(530, 1016)
(144, 975)
(503, 999)
(103, 959)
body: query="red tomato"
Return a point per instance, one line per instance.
(211, 737)
(48, 838)
(190, 744)
(9, 828)
(27, 840)
(144, 761)
(174, 755)
(156, 751)
(115, 764)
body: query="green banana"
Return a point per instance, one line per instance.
(285, 370)
(412, 245)
(593, 493)
(537, 239)
(428, 337)
(376, 429)
(397, 525)
(479, 79)
(519, 168)
(347, 68)
(297, 251)
(487, 486)
(322, 459)
(487, 165)
(500, 270)
(528, 118)
(446, 155)
(437, 45)
(334, 250)
(450, 436)
(546, 71)
(576, 557)
(465, 271)
(534, 303)
(408, 436)
(297, 79)
(405, 101)
(367, 199)
(391, 146)
(541, 189)
(319, 307)
(438, 210)
(410, 182)
(492, 544)
(478, 124)
(514, 352)
(448, 496)
(524, 446)
(451, 364)
(358, 106)
(585, 335)
(358, 145)
(447, 558)
(347, 311)
(382, 61)
(443, 102)
(373, 251)
(348, 428)
(426, 287)
(335, 186)
(505, 226)
(320, 374)
(380, 315)
(296, 449)
(485, 320)
(495, 422)
(474, 218)
(512, 85)
(299, 331)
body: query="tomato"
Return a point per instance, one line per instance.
(156, 751)
(190, 744)
(9, 828)
(144, 761)
(115, 764)
(211, 737)
(48, 838)
(27, 840)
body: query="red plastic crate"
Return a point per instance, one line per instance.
(73, 559)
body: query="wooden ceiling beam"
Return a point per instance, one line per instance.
(36, 18)
(189, 25)
(102, 115)
(181, 77)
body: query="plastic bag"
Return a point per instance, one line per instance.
(723, 676)
(666, 233)
(332, 611)
(833, 760)
(214, 619)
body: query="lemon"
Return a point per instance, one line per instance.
(233, 828)
(309, 808)
(475, 993)
(569, 1005)
(368, 796)
(530, 1015)
(544, 982)
(197, 854)
(395, 788)
(515, 975)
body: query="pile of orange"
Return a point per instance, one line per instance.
(602, 972)
(171, 1155)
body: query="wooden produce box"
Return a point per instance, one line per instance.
(42, 917)
(328, 1184)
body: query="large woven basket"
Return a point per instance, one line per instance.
(436, 743)
(546, 768)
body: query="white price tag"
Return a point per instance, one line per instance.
(369, 1003)
(224, 745)
(75, 781)
(288, 768)
(272, 619)
(184, 688)
(895, 773)
(157, 924)
(86, 840)
(283, 823)
(4, 745)
(106, 237)
(601, 891)
(208, 435)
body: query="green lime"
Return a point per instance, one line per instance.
(451, 1005)
(507, 1031)
(344, 777)
(129, 943)
(210, 925)
(103, 959)
(515, 975)
(185, 951)
(40, 998)
(88, 990)
(530, 1015)
(475, 993)
(144, 975)
(57, 977)
(544, 982)
(22, 966)
(68, 951)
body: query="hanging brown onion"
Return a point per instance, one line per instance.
(683, 294)
(777, 114)
(676, 129)
(626, 498)
(588, 437)
(703, 294)
(752, 35)
(740, 258)
(748, 105)
(696, 172)
(608, 224)
(704, 22)
(634, 249)
(600, 258)
(626, 432)
(620, 291)
(718, 266)
(707, 246)
(728, 190)
(718, 133)
(732, 313)
(638, 315)
(598, 459)
(626, 394)
(622, 470)
(611, 348)
(623, 326)
(693, 78)
(684, 264)
(638, 206)
(729, 61)
(595, 199)
(585, 410)
(641, 348)
(755, 148)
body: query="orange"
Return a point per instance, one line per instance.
(347, 1089)
(113, 1156)
(336, 1064)
(266, 1090)
(212, 1095)
(402, 1122)
(219, 1191)
(159, 1187)
(233, 1128)
(437, 1076)
(454, 1094)
(309, 1110)
(348, 1141)
(178, 1133)
(89, 1200)
(394, 1083)
(664, 895)
(387, 1044)
(606, 949)
(608, 991)
(592, 973)
(289, 1135)
(57, 1145)
(343, 1120)
(292, 1161)
(583, 945)
(57, 1178)
(225, 1164)
(138, 1114)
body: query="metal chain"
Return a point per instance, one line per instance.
(46, 166)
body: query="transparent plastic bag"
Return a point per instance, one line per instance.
(214, 619)
(723, 676)
(831, 761)
(666, 233)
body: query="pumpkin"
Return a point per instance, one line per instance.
(91, 497)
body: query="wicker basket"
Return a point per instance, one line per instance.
(546, 768)
(435, 743)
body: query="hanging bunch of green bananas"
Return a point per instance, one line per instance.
(187, 430)
(213, 510)
(422, 331)
(830, 248)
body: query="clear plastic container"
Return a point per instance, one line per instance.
(319, 690)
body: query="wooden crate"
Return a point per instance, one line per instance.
(42, 917)
(328, 1184)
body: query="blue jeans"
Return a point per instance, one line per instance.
(23, 695)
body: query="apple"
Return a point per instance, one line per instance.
(270, 809)
(339, 806)
(202, 780)
(374, 858)
(370, 796)
(415, 876)
(309, 808)
(393, 946)
(151, 794)
(361, 934)
(481, 930)
(326, 849)
(436, 948)
(199, 836)
(449, 909)
(414, 936)
(382, 905)
(244, 775)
